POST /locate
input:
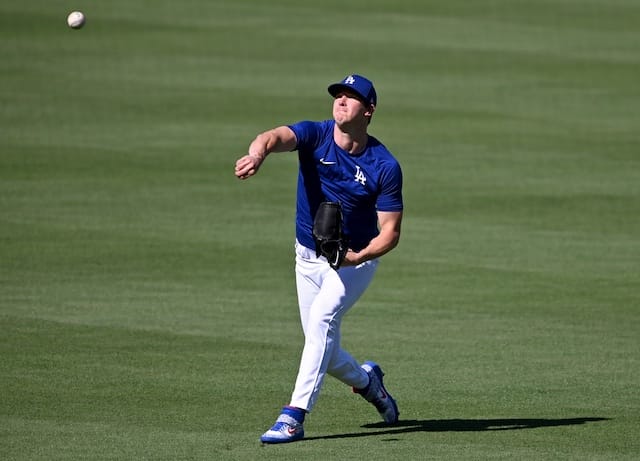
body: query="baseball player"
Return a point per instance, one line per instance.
(350, 185)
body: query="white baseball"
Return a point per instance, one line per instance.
(76, 19)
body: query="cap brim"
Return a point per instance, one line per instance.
(336, 88)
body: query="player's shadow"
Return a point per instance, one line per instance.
(459, 425)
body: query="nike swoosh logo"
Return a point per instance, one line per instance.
(325, 162)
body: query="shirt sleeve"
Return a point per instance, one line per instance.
(390, 198)
(307, 134)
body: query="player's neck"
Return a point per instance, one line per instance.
(353, 141)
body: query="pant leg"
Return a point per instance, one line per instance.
(324, 297)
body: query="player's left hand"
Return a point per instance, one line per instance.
(352, 259)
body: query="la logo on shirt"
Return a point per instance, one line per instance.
(360, 177)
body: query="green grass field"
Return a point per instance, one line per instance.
(147, 299)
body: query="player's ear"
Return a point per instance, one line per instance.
(370, 110)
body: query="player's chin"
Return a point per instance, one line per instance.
(341, 121)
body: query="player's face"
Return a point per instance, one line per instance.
(347, 108)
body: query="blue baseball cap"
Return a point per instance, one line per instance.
(360, 85)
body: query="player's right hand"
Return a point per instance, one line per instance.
(247, 166)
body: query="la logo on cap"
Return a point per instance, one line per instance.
(350, 80)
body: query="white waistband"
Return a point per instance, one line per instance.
(304, 252)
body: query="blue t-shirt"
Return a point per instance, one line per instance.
(364, 184)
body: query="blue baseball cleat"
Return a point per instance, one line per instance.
(286, 429)
(377, 394)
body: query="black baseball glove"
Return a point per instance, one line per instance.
(328, 233)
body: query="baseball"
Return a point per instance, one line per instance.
(76, 19)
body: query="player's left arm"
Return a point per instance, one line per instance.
(390, 223)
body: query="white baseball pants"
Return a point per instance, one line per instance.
(324, 297)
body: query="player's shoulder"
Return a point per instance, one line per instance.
(380, 152)
(313, 125)
(311, 131)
